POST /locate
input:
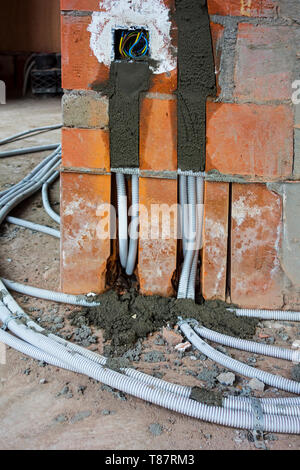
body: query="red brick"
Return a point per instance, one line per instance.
(157, 254)
(163, 82)
(94, 5)
(158, 134)
(252, 8)
(217, 32)
(215, 238)
(80, 68)
(85, 148)
(264, 63)
(81, 5)
(83, 254)
(256, 276)
(248, 139)
(158, 151)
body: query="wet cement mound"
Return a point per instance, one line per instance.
(127, 317)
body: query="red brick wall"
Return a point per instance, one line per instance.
(253, 156)
(251, 143)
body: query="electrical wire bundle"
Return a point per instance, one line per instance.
(134, 44)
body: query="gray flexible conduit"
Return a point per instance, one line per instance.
(39, 148)
(33, 226)
(237, 366)
(122, 218)
(36, 130)
(250, 346)
(45, 197)
(133, 234)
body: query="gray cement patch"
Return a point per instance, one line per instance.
(196, 81)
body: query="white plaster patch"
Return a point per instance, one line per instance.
(152, 15)
(73, 206)
(240, 209)
(215, 229)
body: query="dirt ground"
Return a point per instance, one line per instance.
(42, 407)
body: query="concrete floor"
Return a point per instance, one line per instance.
(33, 413)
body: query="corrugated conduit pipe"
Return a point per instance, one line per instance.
(218, 415)
(250, 346)
(122, 219)
(284, 315)
(30, 175)
(33, 226)
(128, 256)
(133, 231)
(237, 366)
(23, 134)
(191, 238)
(278, 405)
(45, 197)
(49, 295)
(199, 221)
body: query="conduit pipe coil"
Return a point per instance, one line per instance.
(237, 366)
(218, 415)
(250, 346)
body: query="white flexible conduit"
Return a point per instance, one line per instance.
(128, 256)
(191, 239)
(31, 186)
(218, 415)
(48, 295)
(199, 221)
(26, 348)
(272, 409)
(40, 148)
(45, 198)
(250, 346)
(133, 233)
(23, 134)
(184, 219)
(122, 218)
(280, 415)
(284, 315)
(237, 366)
(30, 175)
(33, 226)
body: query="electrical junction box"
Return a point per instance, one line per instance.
(131, 44)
